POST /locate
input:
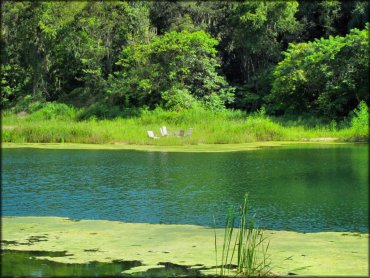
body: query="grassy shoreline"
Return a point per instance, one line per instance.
(209, 128)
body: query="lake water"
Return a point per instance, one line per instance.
(305, 188)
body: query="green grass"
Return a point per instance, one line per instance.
(62, 124)
(246, 253)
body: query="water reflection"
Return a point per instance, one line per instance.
(32, 264)
(296, 188)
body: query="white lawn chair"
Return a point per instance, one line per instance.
(164, 132)
(151, 134)
(190, 132)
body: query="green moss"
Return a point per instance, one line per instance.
(326, 253)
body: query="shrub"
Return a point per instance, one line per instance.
(53, 110)
(175, 60)
(178, 99)
(360, 123)
(327, 77)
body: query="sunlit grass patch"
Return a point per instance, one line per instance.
(209, 127)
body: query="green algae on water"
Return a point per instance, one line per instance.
(185, 247)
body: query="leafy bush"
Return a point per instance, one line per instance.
(106, 111)
(359, 130)
(326, 77)
(213, 102)
(360, 120)
(176, 63)
(53, 110)
(99, 111)
(28, 103)
(178, 99)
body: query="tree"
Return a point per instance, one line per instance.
(319, 18)
(359, 14)
(14, 76)
(323, 18)
(257, 34)
(95, 41)
(31, 34)
(326, 77)
(172, 64)
(65, 50)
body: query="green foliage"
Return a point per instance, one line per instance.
(329, 14)
(361, 117)
(327, 17)
(192, 16)
(53, 110)
(359, 14)
(172, 66)
(28, 103)
(127, 55)
(246, 98)
(220, 127)
(11, 86)
(213, 102)
(327, 77)
(54, 48)
(105, 111)
(258, 30)
(359, 130)
(178, 99)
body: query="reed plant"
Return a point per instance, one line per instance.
(244, 249)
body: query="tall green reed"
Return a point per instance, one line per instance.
(244, 249)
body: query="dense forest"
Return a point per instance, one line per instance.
(287, 57)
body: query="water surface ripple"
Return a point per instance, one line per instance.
(300, 188)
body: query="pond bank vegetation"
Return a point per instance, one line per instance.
(59, 123)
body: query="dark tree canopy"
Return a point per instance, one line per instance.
(291, 56)
(327, 77)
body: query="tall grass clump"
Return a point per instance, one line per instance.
(262, 128)
(53, 111)
(359, 130)
(244, 249)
